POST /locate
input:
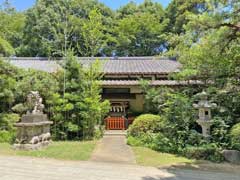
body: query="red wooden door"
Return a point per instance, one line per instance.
(115, 123)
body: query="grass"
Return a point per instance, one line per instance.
(148, 157)
(58, 150)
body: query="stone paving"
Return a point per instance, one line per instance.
(26, 168)
(113, 148)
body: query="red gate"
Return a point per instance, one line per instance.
(115, 123)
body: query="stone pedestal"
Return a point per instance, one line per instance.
(33, 132)
(205, 127)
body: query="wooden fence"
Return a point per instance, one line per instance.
(115, 123)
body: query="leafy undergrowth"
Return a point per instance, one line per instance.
(148, 157)
(57, 150)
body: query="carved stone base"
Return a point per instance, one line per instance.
(29, 147)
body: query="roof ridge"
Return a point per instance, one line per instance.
(136, 58)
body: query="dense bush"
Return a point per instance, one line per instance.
(7, 130)
(205, 152)
(155, 141)
(135, 141)
(144, 124)
(235, 136)
(177, 131)
(6, 136)
(160, 142)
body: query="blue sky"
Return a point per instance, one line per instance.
(114, 4)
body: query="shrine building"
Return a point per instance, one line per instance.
(121, 81)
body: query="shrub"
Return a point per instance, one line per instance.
(162, 143)
(235, 136)
(99, 131)
(155, 141)
(7, 131)
(6, 136)
(133, 141)
(206, 152)
(145, 123)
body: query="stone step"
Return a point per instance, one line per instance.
(115, 133)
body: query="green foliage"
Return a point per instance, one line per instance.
(71, 97)
(80, 111)
(99, 132)
(177, 132)
(6, 136)
(93, 34)
(155, 99)
(178, 10)
(213, 29)
(206, 152)
(12, 25)
(7, 130)
(5, 48)
(52, 26)
(133, 141)
(7, 85)
(176, 110)
(133, 28)
(235, 136)
(219, 132)
(144, 124)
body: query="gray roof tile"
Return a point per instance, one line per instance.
(128, 65)
(152, 83)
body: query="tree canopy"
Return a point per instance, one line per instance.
(90, 28)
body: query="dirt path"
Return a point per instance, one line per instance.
(113, 148)
(26, 168)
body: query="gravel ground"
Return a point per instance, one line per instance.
(26, 168)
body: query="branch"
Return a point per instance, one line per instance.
(233, 26)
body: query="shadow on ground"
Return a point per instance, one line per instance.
(209, 166)
(199, 171)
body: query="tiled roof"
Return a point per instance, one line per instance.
(152, 83)
(127, 65)
(41, 65)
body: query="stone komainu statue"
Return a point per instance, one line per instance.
(33, 130)
(34, 102)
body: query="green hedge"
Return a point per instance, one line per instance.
(145, 123)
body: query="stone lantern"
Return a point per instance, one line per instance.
(204, 113)
(33, 131)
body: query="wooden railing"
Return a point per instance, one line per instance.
(115, 123)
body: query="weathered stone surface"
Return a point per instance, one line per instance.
(30, 147)
(232, 156)
(204, 113)
(29, 118)
(113, 148)
(33, 131)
